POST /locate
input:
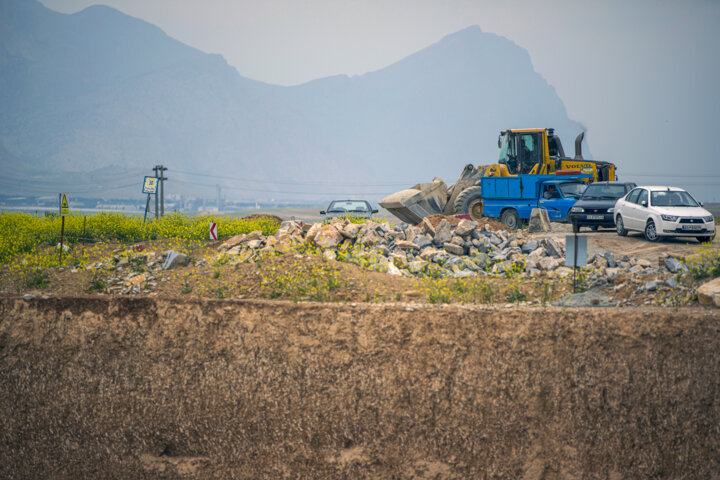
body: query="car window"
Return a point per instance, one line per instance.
(643, 197)
(632, 196)
(604, 191)
(572, 189)
(672, 198)
(348, 206)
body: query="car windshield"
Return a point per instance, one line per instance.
(604, 191)
(348, 206)
(672, 198)
(572, 189)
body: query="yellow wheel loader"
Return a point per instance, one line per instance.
(533, 151)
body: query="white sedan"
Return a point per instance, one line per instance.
(663, 212)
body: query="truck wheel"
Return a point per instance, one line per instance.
(510, 218)
(470, 202)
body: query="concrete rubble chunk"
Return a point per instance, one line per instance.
(369, 238)
(549, 263)
(651, 286)
(709, 293)
(255, 244)
(610, 259)
(671, 282)
(412, 232)
(233, 241)
(350, 230)
(674, 265)
(254, 235)
(314, 229)
(405, 245)
(553, 248)
(427, 227)
(465, 227)
(428, 253)
(422, 241)
(443, 233)
(457, 240)
(175, 259)
(454, 248)
(328, 237)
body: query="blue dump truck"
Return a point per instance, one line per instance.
(511, 199)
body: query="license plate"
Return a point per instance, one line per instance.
(692, 227)
(595, 217)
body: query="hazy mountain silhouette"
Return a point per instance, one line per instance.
(97, 88)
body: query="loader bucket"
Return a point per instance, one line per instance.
(417, 202)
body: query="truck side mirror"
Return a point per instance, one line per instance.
(322, 212)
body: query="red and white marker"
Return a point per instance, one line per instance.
(213, 231)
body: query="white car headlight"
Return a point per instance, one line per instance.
(709, 219)
(611, 209)
(577, 209)
(669, 218)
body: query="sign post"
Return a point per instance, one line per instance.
(213, 231)
(64, 211)
(575, 254)
(149, 187)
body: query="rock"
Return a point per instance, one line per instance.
(254, 244)
(399, 259)
(709, 293)
(636, 269)
(650, 286)
(350, 231)
(370, 238)
(137, 280)
(328, 237)
(175, 259)
(417, 266)
(465, 227)
(254, 235)
(405, 245)
(553, 248)
(427, 227)
(612, 273)
(395, 235)
(422, 241)
(232, 241)
(549, 263)
(28, 297)
(412, 232)
(642, 263)
(454, 248)
(443, 233)
(674, 265)
(495, 240)
(457, 240)
(330, 254)
(428, 253)
(610, 259)
(392, 269)
(671, 282)
(314, 229)
(289, 227)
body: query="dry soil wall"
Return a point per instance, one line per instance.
(151, 388)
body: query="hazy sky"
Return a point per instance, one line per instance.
(643, 76)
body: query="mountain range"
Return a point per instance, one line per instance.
(98, 89)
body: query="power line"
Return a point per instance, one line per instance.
(275, 182)
(274, 191)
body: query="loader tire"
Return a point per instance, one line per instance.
(470, 202)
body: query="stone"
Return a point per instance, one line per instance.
(289, 227)
(175, 259)
(137, 279)
(314, 229)
(674, 265)
(494, 239)
(330, 254)
(642, 263)
(671, 282)
(254, 235)
(412, 232)
(417, 266)
(350, 231)
(427, 227)
(395, 235)
(232, 241)
(428, 253)
(709, 293)
(328, 237)
(457, 240)
(610, 259)
(465, 227)
(370, 238)
(454, 248)
(392, 269)
(636, 269)
(612, 273)
(443, 233)
(549, 263)
(254, 244)
(405, 245)
(553, 248)
(650, 286)
(422, 241)
(399, 259)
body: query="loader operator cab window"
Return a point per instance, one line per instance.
(519, 152)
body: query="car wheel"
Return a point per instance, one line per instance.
(651, 234)
(510, 218)
(705, 239)
(620, 226)
(594, 228)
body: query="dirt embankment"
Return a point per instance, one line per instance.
(152, 388)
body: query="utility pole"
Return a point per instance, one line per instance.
(218, 197)
(160, 175)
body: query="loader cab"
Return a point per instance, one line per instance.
(520, 151)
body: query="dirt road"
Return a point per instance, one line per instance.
(634, 245)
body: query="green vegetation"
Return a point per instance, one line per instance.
(21, 233)
(705, 264)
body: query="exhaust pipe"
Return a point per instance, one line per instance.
(578, 146)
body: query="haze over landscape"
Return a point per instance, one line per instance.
(103, 92)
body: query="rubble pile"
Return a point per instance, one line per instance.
(445, 249)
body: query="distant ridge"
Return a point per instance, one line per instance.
(96, 88)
